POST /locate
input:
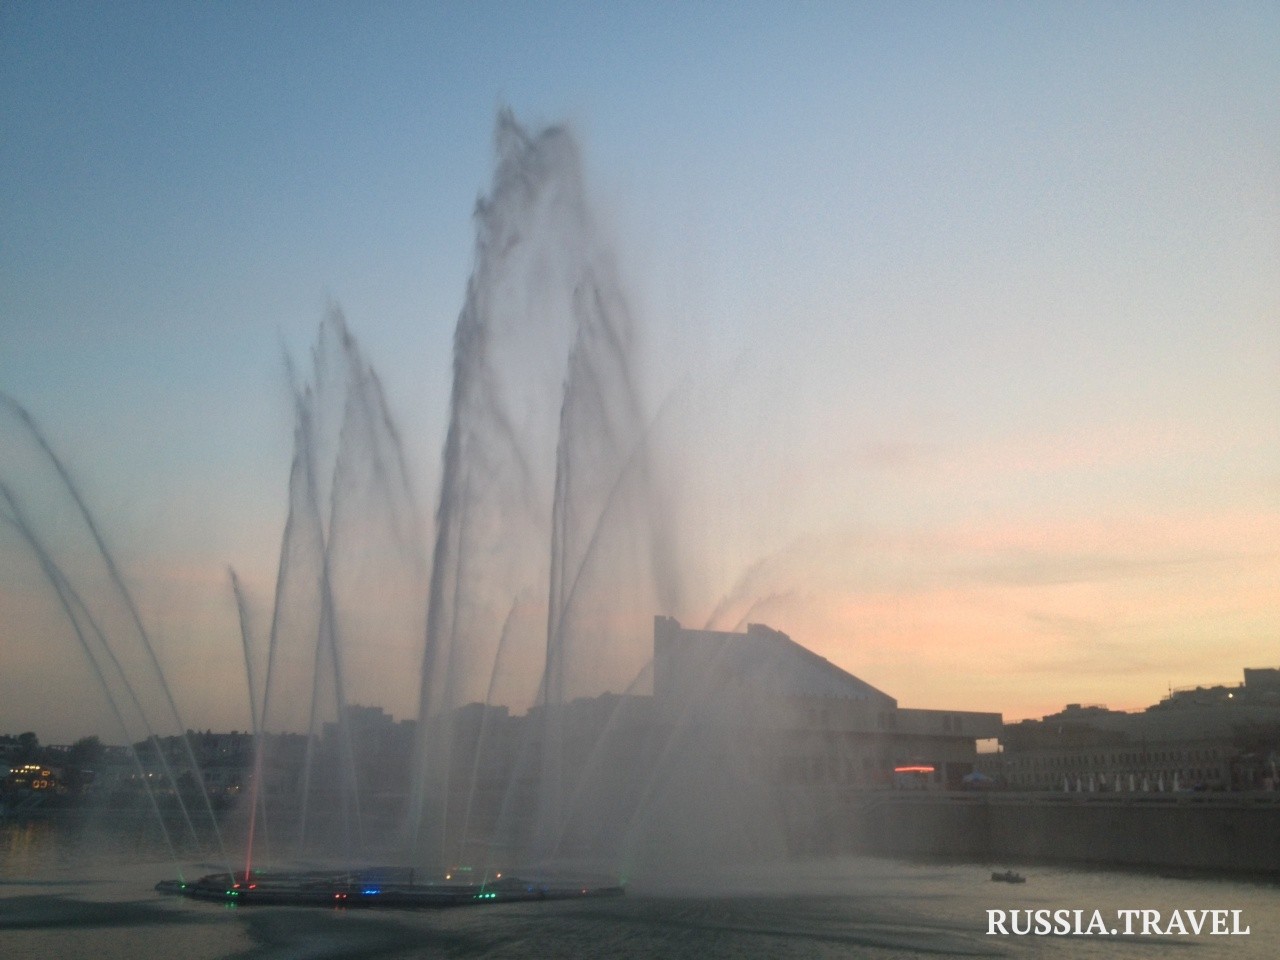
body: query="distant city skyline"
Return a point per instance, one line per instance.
(1186, 697)
(967, 314)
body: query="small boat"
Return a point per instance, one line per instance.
(1008, 876)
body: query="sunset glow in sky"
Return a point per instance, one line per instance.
(971, 312)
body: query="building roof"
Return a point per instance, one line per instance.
(762, 658)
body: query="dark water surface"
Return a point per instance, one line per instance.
(83, 892)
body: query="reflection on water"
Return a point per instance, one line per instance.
(80, 848)
(80, 890)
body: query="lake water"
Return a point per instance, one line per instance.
(70, 892)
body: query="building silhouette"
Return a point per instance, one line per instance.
(1220, 737)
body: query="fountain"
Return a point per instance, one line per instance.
(544, 738)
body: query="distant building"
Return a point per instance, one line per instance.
(34, 777)
(1223, 737)
(10, 753)
(28, 788)
(839, 728)
(1261, 688)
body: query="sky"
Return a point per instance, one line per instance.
(974, 309)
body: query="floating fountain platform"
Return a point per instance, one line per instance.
(373, 888)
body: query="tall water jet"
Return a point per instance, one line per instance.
(91, 591)
(347, 603)
(548, 559)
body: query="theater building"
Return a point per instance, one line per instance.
(824, 724)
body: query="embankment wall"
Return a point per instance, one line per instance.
(1236, 832)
